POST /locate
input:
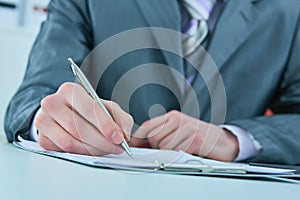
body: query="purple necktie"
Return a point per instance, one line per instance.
(197, 29)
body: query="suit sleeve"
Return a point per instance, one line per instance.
(65, 33)
(279, 134)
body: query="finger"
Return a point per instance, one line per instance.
(175, 117)
(165, 143)
(47, 144)
(157, 135)
(171, 141)
(78, 127)
(148, 126)
(178, 139)
(77, 98)
(123, 119)
(187, 145)
(66, 142)
(88, 134)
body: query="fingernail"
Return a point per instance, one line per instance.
(117, 137)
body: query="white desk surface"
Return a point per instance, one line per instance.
(25, 175)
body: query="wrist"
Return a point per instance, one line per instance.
(226, 147)
(218, 143)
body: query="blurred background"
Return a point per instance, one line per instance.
(23, 13)
(19, 24)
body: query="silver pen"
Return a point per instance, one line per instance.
(86, 84)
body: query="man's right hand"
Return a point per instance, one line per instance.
(72, 121)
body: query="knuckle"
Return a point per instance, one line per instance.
(66, 87)
(42, 121)
(114, 104)
(173, 112)
(175, 115)
(127, 120)
(130, 119)
(48, 102)
(115, 108)
(39, 122)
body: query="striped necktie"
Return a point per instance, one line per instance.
(197, 29)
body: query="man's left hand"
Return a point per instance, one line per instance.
(177, 131)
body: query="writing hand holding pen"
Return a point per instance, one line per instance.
(72, 121)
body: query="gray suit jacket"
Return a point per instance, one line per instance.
(255, 45)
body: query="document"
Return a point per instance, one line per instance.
(154, 160)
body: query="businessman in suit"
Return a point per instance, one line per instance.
(254, 43)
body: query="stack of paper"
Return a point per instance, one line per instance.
(153, 159)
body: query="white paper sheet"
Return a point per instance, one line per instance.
(147, 159)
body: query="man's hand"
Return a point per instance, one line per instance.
(71, 121)
(177, 131)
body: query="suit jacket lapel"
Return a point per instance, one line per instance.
(234, 27)
(165, 14)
